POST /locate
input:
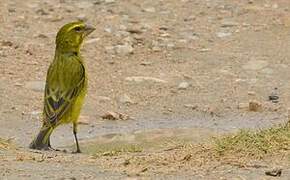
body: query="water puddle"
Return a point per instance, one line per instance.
(144, 141)
(157, 134)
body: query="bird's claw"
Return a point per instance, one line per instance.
(77, 151)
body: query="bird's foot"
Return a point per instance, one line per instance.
(53, 149)
(77, 151)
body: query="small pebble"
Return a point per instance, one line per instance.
(255, 106)
(277, 172)
(125, 49)
(223, 34)
(183, 85)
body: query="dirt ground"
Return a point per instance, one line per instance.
(175, 72)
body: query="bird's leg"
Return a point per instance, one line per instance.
(49, 145)
(51, 148)
(76, 138)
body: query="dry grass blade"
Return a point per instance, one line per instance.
(4, 144)
(255, 144)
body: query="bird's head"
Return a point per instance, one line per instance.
(70, 37)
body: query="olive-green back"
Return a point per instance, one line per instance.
(65, 80)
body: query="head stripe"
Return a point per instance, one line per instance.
(74, 26)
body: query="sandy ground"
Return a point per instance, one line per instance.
(185, 69)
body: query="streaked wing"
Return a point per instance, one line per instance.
(58, 101)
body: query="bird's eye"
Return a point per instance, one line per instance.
(77, 29)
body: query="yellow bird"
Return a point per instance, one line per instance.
(66, 84)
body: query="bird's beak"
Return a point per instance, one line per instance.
(89, 29)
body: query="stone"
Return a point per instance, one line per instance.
(103, 98)
(135, 30)
(82, 17)
(251, 93)
(43, 36)
(32, 5)
(42, 12)
(155, 46)
(223, 34)
(275, 6)
(255, 106)
(11, 10)
(165, 35)
(54, 18)
(108, 30)
(191, 106)
(84, 120)
(190, 18)
(229, 24)
(170, 45)
(255, 65)
(146, 63)
(150, 9)
(274, 97)
(36, 114)
(276, 172)
(110, 1)
(140, 79)
(18, 84)
(84, 4)
(125, 49)
(204, 50)
(91, 41)
(164, 28)
(6, 43)
(37, 86)
(250, 1)
(243, 106)
(110, 115)
(183, 85)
